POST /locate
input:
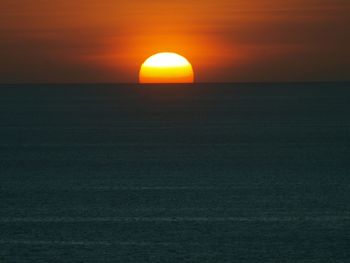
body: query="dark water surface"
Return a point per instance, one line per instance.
(175, 173)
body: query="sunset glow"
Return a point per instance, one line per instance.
(226, 41)
(166, 67)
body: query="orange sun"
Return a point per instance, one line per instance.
(166, 67)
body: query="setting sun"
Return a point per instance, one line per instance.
(166, 67)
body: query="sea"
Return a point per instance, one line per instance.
(216, 173)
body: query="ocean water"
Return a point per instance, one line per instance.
(175, 173)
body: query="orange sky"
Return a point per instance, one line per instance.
(226, 40)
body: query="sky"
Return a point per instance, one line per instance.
(87, 41)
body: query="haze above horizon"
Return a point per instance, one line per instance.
(106, 41)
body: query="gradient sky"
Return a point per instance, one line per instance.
(226, 40)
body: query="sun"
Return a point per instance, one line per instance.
(166, 67)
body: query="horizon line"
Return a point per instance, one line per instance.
(179, 84)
